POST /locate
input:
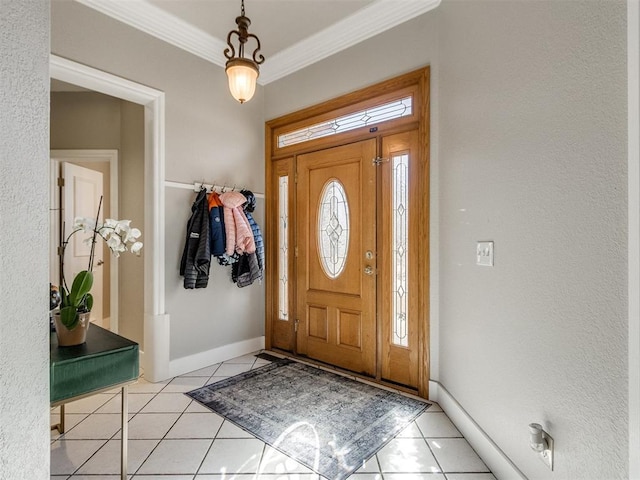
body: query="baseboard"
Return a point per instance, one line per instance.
(500, 465)
(200, 360)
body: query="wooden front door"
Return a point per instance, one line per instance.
(347, 233)
(336, 265)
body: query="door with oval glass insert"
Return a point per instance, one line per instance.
(336, 281)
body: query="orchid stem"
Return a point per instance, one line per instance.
(93, 239)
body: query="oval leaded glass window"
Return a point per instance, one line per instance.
(333, 228)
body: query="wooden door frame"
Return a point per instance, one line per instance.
(415, 83)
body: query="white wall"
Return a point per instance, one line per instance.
(24, 265)
(533, 156)
(528, 150)
(208, 136)
(131, 207)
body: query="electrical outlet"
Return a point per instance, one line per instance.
(484, 254)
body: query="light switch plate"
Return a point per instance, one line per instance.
(484, 254)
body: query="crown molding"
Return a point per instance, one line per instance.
(357, 27)
(377, 17)
(150, 19)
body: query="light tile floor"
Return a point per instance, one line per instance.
(172, 437)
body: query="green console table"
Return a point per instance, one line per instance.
(106, 361)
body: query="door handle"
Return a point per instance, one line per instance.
(100, 262)
(368, 270)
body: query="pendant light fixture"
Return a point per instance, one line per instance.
(242, 71)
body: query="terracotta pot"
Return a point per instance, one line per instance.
(77, 336)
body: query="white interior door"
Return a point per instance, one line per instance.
(81, 195)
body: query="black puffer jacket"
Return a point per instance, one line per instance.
(196, 257)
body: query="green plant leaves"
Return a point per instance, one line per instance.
(69, 317)
(81, 286)
(78, 299)
(88, 302)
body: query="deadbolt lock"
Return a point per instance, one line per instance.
(368, 255)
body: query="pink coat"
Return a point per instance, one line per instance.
(237, 228)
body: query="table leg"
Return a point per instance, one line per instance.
(61, 429)
(125, 433)
(60, 426)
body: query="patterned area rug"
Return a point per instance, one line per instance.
(327, 422)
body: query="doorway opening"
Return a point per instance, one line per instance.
(348, 232)
(155, 359)
(100, 169)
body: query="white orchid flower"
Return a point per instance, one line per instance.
(110, 223)
(114, 243)
(136, 247)
(134, 234)
(126, 235)
(83, 223)
(122, 226)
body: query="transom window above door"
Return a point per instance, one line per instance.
(367, 117)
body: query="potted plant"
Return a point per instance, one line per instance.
(72, 320)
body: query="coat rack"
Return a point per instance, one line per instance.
(196, 186)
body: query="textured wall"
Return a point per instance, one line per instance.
(529, 150)
(24, 226)
(208, 136)
(533, 156)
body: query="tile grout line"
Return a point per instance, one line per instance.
(215, 437)
(433, 453)
(62, 436)
(139, 412)
(168, 430)
(80, 439)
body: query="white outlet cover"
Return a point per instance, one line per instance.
(484, 254)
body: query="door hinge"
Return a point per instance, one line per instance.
(296, 251)
(379, 160)
(295, 325)
(59, 251)
(60, 181)
(295, 178)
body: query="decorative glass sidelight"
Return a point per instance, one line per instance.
(333, 228)
(381, 113)
(283, 248)
(399, 244)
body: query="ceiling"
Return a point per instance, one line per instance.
(293, 33)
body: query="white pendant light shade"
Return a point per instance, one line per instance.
(243, 76)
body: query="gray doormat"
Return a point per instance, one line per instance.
(268, 356)
(327, 422)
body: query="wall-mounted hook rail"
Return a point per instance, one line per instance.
(196, 186)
